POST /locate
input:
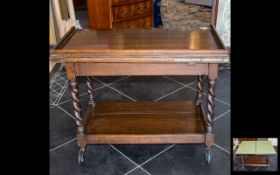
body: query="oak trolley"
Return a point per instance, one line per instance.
(146, 52)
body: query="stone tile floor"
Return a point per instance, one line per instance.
(168, 159)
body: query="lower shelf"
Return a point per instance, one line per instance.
(145, 123)
(256, 160)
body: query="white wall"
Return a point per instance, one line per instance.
(223, 21)
(274, 141)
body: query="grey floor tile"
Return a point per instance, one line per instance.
(141, 153)
(189, 94)
(109, 80)
(138, 171)
(222, 132)
(82, 88)
(237, 162)
(146, 88)
(189, 159)
(222, 88)
(62, 127)
(186, 80)
(181, 94)
(103, 94)
(99, 160)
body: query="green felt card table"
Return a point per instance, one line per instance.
(255, 153)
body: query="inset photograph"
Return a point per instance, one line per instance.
(255, 154)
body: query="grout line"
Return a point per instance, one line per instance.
(179, 81)
(122, 93)
(56, 74)
(188, 85)
(174, 80)
(170, 93)
(215, 97)
(128, 159)
(53, 105)
(225, 71)
(62, 92)
(93, 89)
(65, 101)
(56, 83)
(222, 148)
(55, 90)
(184, 86)
(81, 95)
(222, 115)
(237, 162)
(149, 159)
(157, 155)
(118, 80)
(222, 101)
(63, 144)
(138, 167)
(66, 112)
(123, 154)
(114, 89)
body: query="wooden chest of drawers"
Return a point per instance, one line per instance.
(106, 14)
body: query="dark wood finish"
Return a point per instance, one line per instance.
(80, 4)
(90, 91)
(143, 52)
(214, 12)
(212, 76)
(142, 45)
(145, 122)
(199, 93)
(99, 14)
(70, 71)
(256, 160)
(138, 39)
(65, 38)
(122, 69)
(217, 37)
(78, 113)
(125, 12)
(135, 22)
(124, 2)
(107, 14)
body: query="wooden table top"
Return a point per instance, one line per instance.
(126, 45)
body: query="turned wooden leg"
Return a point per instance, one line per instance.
(78, 113)
(210, 113)
(199, 94)
(90, 91)
(213, 73)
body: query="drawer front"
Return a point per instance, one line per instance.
(142, 22)
(124, 69)
(124, 12)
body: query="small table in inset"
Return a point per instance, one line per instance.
(255, 153)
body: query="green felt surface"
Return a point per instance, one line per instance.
(264, 147)
(256, 147)
(246, 147)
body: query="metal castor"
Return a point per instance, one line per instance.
(81, 156)
(208, 155)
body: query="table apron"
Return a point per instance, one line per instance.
(122, 69)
